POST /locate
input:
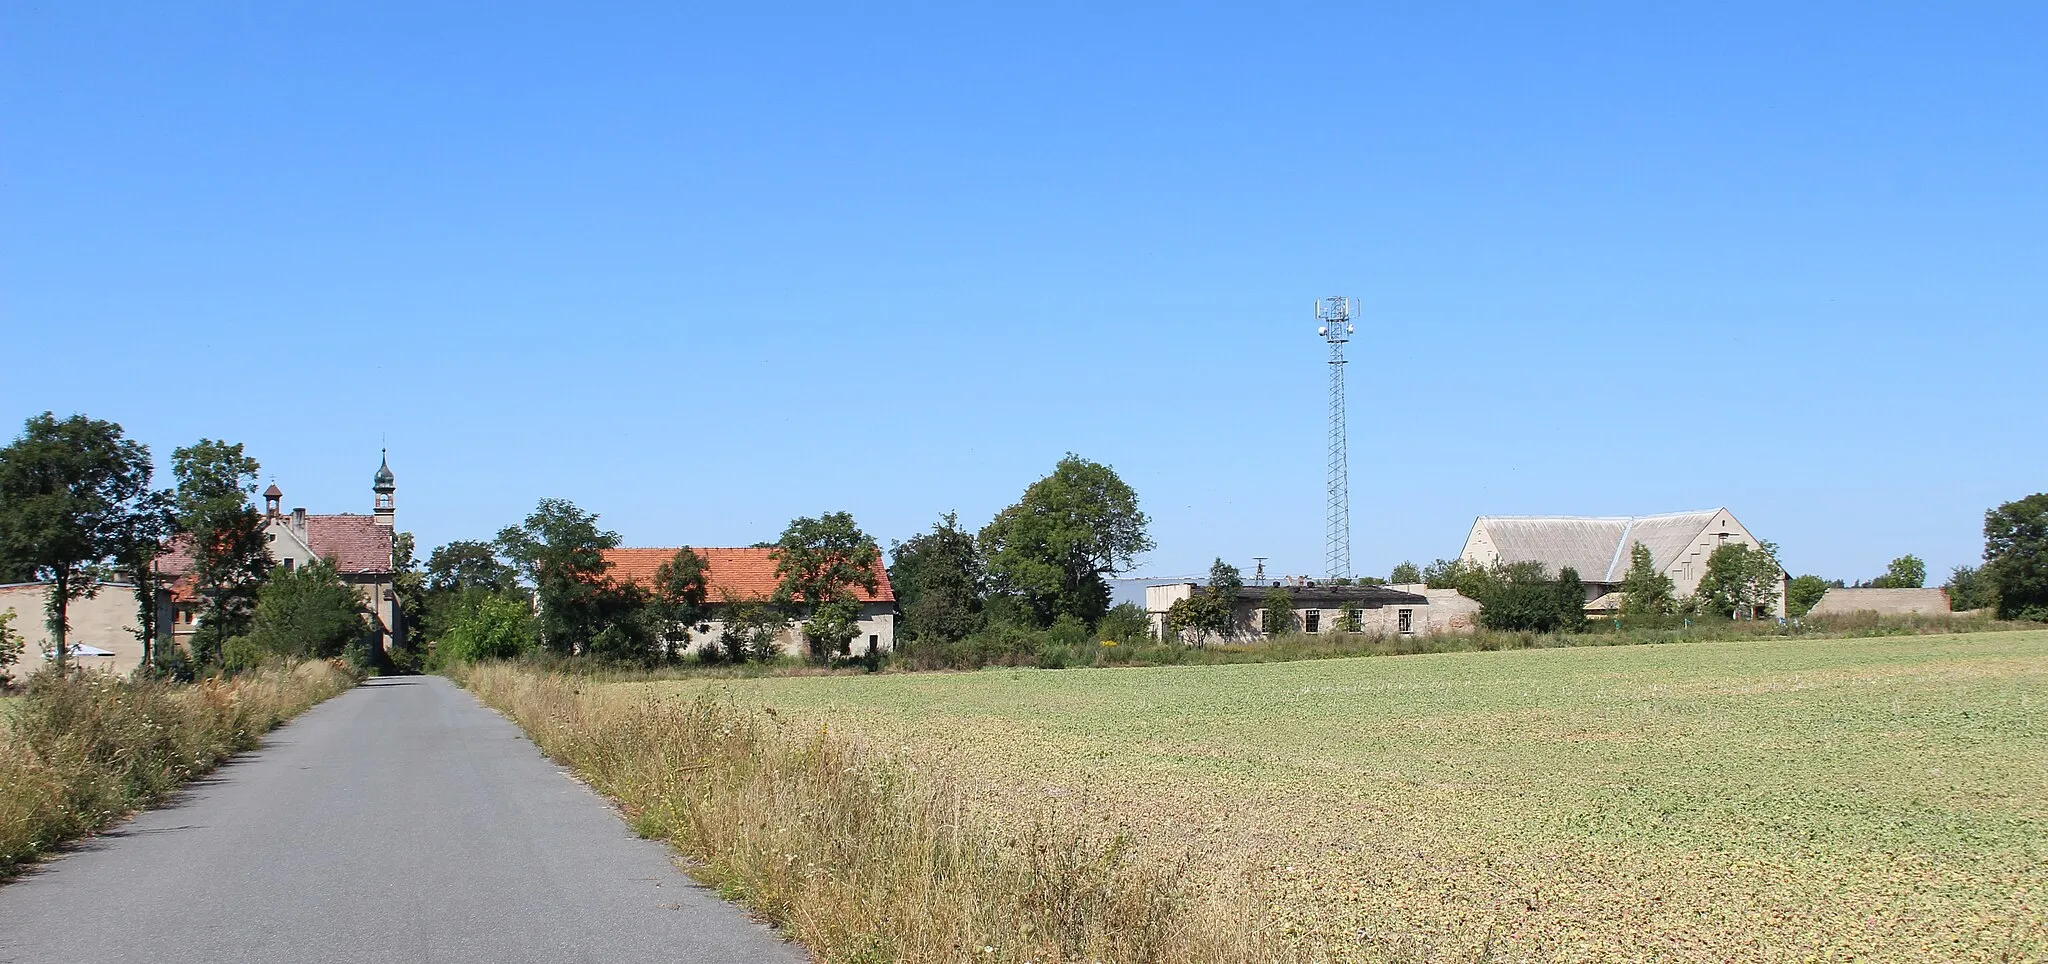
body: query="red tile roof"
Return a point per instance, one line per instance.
(354, 543)
(729, 573)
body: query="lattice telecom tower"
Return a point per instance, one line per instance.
(1333, 319)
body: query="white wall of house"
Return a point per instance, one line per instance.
(1441, 611)
(877, 631)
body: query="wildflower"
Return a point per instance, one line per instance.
(1109, 642)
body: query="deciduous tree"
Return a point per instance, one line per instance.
(2016, 553)
(1905, 572)
(818, 564)
(1052, 550)
(1646, 592)
(1971, 587)
(560, 551)
(1405, 574)
(677, 600)
(1804, 592)
(1277, 612)
(1740, 582)
(308, 611)
(940, 584)
(230, 558)
(74, 496)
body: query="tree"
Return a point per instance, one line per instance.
(940, 584)
(73, 494)
(1447, 573)
(1646, 592)
(1803, 593)
(1905, 572)
(230, 557)
(818, 563)
(560, 551)
(1740, 581)
(1211, 611)
(1052, 550)
(752, 631)
(152, 527)
(466, 564)
(1971, 587)
(1277, 612)
(1570, 599)
(1405, 574)
(677, 599)
(2016, 552)
(307, 612)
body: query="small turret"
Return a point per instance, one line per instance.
(273, 498)
(385, 485)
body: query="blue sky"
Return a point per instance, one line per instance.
(703, 270)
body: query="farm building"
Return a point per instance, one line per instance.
(748, 576)
(359, 546)
(1599, 547)
(1384, 610)
(1888, 602)
(102, 636)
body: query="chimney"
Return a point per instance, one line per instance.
(299, 521)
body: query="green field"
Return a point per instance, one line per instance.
(1841, 799)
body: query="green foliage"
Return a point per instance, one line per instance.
(1571, 602)
(1125, 624)
(1211, 611)
(559, 550)
(469, 564)
(752, 631)
(1405, 574)
(11, 645)
(1052, 550)
(1448, 573)
(2016, 553)
(1971, 588)
(485, 625)
(940, 584)
(1803, 593)
(1277, 612)
(1522, 597)
(307, 612)
(230, 555)
(818, 564)
(74, 495)
(1646, 592)
(1905, 572)
(676, 602)
(1740, 582)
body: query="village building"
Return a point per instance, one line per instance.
(747, 576)
(103, 634)
(360, 547)
(1600, 548)
(1884, 602)
(1322, 608)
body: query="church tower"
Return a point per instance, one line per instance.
(386, 487)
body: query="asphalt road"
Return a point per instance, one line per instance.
(400, 821)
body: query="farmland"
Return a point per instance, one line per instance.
(1705, 801)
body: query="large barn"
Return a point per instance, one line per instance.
(748, 576)
(1599, 547)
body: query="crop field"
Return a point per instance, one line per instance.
(1832, 799)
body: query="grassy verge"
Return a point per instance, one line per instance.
(860, 856)
(77, 754)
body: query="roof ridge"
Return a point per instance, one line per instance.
(1619, 548)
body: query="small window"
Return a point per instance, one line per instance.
(1354, 620)
(288, 564)
(1312, 620)
(874, 643)
(1406, 620)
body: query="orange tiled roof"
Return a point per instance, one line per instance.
(353, 543)
(729, 573)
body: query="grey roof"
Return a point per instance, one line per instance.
(1598, 547)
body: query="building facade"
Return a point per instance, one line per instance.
(1884, 602)
(359, 546)
(103, 634)
(747, 576)
(1318, 609)
(1600, 548)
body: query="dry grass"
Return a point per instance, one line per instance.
(862, 857)
(77, 754)
(1877, 799)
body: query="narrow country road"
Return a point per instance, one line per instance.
(400, 821)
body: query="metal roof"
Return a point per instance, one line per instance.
(1596, 546)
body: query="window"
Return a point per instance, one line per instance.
(288, 564)
(703, 627)
(1406, 618)
(1353, 620)
(874, 643)
(1311, 621)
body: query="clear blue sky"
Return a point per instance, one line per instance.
(702, 271)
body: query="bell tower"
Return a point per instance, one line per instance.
(386, 487)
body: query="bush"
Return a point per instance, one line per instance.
(486, 626)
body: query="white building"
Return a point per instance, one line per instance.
(748, 576)
(1377, 610)
(1599, 547)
